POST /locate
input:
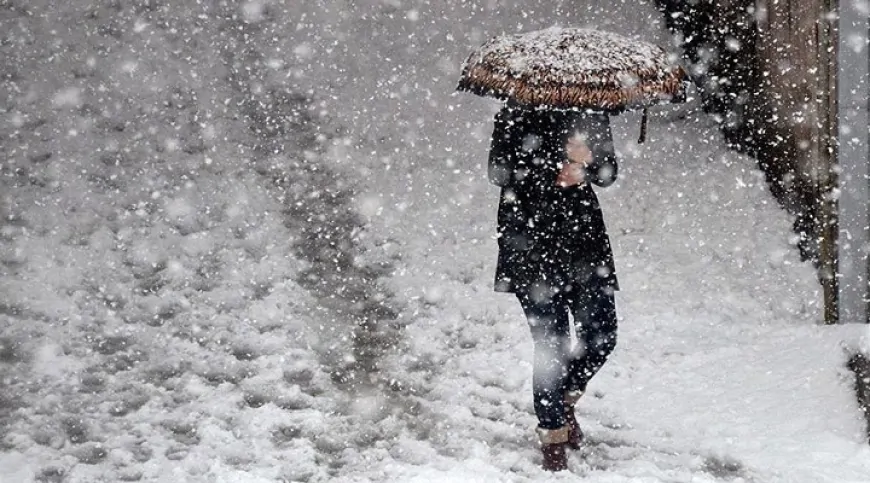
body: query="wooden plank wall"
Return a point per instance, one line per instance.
(797, 48)
(768, 69)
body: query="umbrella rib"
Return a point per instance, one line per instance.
(545, 91)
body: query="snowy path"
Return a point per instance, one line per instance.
(163, 323)
(721, 372)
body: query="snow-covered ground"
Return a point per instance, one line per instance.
(213, 212)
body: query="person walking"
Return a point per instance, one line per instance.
(554, 253)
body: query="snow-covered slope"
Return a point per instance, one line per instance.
(179, 291)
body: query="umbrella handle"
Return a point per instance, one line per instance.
(643, 120)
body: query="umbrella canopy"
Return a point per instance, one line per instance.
(571, 67)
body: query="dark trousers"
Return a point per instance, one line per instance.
(558, 368)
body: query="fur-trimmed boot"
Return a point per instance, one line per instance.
(575, 434)
(553, 442)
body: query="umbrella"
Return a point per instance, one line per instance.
(574, 68)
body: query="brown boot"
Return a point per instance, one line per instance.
(553, 442)
(575, 434)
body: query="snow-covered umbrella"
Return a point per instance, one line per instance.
(574, 68)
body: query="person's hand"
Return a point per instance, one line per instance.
(578, 151)
(572, 174)
(579, 155)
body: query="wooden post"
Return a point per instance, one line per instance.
(827, 203)
(853, 73)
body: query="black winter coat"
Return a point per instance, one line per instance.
(550, 237)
